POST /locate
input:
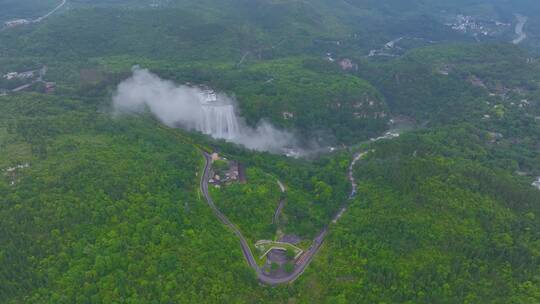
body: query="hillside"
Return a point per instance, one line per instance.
(432, 226)
(400, 152)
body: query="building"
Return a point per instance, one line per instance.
(22, 75)
(11, 75)
(288, 115)
(537, 183)
(27, 74)
(235, 172)
(347, 64)
(16, 22)
(232, 173)
(209, 96)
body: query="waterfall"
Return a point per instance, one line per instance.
(219, 120)
(196, 108)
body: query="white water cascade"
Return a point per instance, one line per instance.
(219, 121)
(198, 108)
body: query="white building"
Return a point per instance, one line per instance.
(11, 75)
(22, 75)
(16, 22)
(537, 183)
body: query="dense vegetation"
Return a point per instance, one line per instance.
(431, 225)
(98, 208)
(493, 87)
(314, 193)
(107, 210)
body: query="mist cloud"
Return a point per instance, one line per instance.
(193, 108)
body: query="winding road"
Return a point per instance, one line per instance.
(275, 220)
(50, 13)
(522, 20)
(303, 262)
(47, 15)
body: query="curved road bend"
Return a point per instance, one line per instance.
(246, 250)
(522, 20)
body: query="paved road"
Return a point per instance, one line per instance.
(275, 220)
(522, 20)
(50, 13)
(303, 262)
(39, 19)
(204, 189)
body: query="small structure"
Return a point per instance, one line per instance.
(288, 115)
(444, 70)
(524, 103)
(494, 137)
(12, 172)
(21, 75)
(536, 183)
(236, 173)
(50, 87)
(226, 172)
(27, 74)
(11, 75)
(232, 173)
(477, 82)
(16, 22)
(347, 65)
(209, 96)
(15, 168)
(329, 57)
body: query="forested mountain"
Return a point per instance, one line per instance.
(432, 226)
(412, 147)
